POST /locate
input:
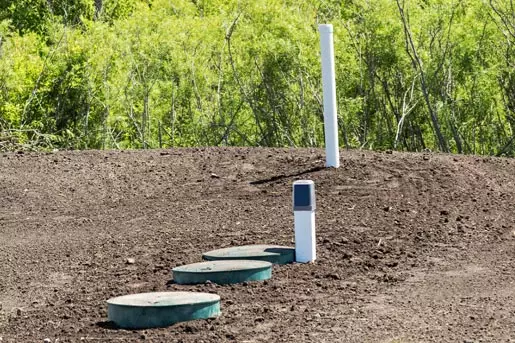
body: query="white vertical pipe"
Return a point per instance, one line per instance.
(329, 88)
(305, 240)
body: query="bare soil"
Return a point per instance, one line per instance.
(411, 247)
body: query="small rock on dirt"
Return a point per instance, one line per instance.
(190, 329)
(130, 261)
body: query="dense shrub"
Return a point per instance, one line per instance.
(411, 74)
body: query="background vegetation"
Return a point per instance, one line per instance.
(411, 74)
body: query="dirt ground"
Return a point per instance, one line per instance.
(411, 247)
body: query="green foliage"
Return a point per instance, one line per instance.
(25, 15)
(143, 74)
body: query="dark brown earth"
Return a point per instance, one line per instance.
(411, 247)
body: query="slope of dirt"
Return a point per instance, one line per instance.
(411, 247)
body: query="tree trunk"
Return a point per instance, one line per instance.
(417, 64)
(98, 8)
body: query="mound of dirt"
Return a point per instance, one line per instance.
(411, 247)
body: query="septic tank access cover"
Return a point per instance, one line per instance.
(270, 253)
(161, 309)
(223, 272)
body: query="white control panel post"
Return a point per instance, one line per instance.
(329, 89)
(304, 206)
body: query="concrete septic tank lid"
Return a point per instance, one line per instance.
(223, 272)
(161, 309)
(270, 253)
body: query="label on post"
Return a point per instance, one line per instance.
(304, 195)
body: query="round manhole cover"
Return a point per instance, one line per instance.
(161, 309)
(270, 253)
(223, 272)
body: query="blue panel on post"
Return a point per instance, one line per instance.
(304, 195)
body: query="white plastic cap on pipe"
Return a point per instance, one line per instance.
(329, 89)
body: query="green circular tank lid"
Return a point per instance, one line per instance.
(223, 272)
(270, 253)
(161, 309)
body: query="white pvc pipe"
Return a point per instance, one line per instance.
(329, 88)
(305, 240)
